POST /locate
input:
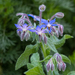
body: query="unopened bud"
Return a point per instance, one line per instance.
(19, 33)
(51, 33)
(45, 39)
(59, 66)
(58, 58)
(52, 66)
(59, 15)
(42, 7)
(53, 29)
(63, 66)
(57, 33)
(27, 36)
(22, 35)
(60, 29)
(21, 21)
(40, 38)
(48, 67)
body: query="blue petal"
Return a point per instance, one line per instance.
(44, 21)
(18, 26)
(42, 26)
(52, 21)
(54, 25)
(31, 15)
(38, 28)
(25, 25)
(19, 29)
(32, 30)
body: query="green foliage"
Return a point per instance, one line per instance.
(66, 59)
(71, 73)
(10, 45)
(35, 67)
(46, 59)
(54, 42)
(24, 58)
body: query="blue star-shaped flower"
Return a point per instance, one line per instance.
(45, 23)
(24, 27)
(38, 30)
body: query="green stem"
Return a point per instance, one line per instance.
(43, 46)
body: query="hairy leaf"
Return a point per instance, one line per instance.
(24, 58)
(71, 73)
(66, 59)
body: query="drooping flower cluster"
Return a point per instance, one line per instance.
(50, 26)
(60, 64)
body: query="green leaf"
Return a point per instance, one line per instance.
(35, 71)
(59, 42)
(35, 58)
(51, 45)
(29, 65)
(35, 67)
(67, 36)
(71, 73)
(24, 57)
(66, 59)
(47, 58)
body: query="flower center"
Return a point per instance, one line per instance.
(24, 29)
(49, 25)
(39, 33)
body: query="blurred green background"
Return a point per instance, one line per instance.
(10, 45)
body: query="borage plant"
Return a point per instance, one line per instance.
(45, 34)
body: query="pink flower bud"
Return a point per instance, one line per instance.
(42, 7)
(53, 29)
(51, 33)
(59, 66)
(19, 33)
(57, 33)
(48, 67)
(22, 36)
(63, 66)
(27, 36)
(58, 58)
(59, 15)
(45, 39)
(21, 21)
(52, 66)
(40, 38)
(60, 30)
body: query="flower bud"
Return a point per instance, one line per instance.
(48, 67)
(59, 15)
(59, 66)
(60, 30)
(45, 39)
(57, 33)
(53, 29)
(27, 36)
(63, 66)
(58, 58)
(22, 35)
(40, 38)
(19, 33)
(42, 7)
(51, 33)
(21, 21)
(52, 66)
